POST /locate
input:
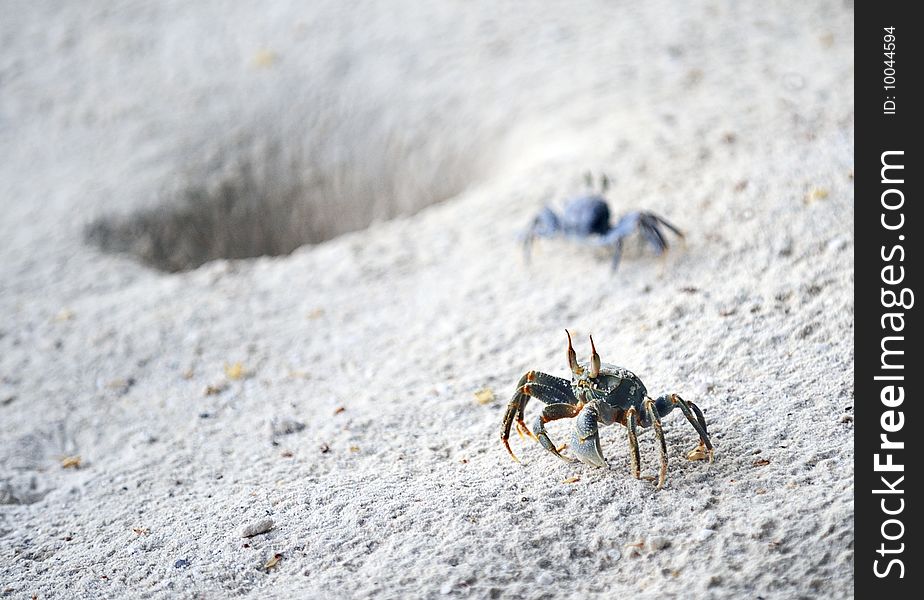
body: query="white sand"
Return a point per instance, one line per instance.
(736, 123)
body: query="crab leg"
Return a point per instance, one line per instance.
(655, 237)
(552, 390)
(546, 224)
(704, 449)
(617, 254)
(631, 423)
(623, 228)
(652, 415)
(664, 222)
(645, 222)
(553, 412)
(533, 384)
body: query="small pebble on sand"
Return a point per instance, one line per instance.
(484, 396)
(704, 534)
(256, 528)
(657, 542)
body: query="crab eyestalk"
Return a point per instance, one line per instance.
(594, 360)
(572, 357)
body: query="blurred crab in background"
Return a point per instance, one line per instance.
(599, 394)
(587, 219)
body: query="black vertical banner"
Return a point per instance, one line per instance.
(889, 369)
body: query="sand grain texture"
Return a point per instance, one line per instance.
(333, 389)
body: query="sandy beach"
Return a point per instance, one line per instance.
(261, 271)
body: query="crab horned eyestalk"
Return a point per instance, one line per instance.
(572, 357)
(594, 360)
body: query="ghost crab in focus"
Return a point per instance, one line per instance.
(599, 394)
(587, 219)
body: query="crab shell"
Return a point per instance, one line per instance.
(629, 389)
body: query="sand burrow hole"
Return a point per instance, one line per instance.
(269, 199)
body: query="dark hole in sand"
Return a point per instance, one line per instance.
(266, 207)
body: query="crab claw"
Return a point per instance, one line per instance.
(585, 441)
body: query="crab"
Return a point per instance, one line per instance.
(599, 394)
(587, 219)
